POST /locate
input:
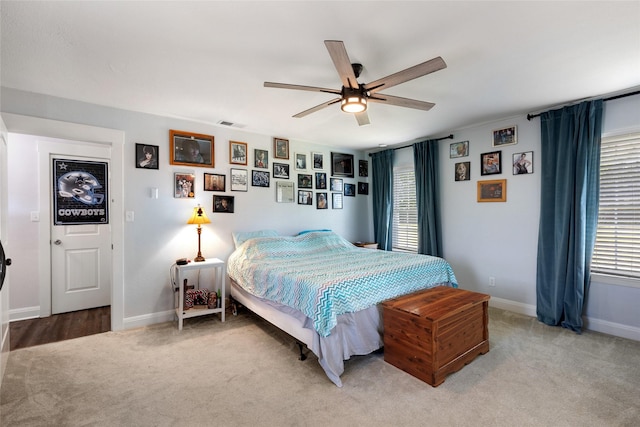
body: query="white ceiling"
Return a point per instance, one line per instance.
(207, 61)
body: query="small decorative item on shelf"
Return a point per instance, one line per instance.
(213, 300)
(219, 299)
(188, 298)
(198, 298)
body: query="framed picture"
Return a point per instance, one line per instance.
(350, 190)
(318, 161)
(301, 161)
(223, 204)
(284, 192)
(321, 181)
(185, 185)
(505, 136)
(523, 163)
(335, 184)
(237, 153)
(336, 200)
(280, 148)
(260, 178)
(281, 170)
(463, 171)
(459, 149)
(304, 180)
(146, 156)
(239, 179)
(342, 165)
(191, 149)
(491, 163)
(363, 168)
(363, 188)
(321, 201)
(214, 182)
(492, 191)
(261, 159)
(305, 197)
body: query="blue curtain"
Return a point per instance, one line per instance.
(382, 192)
(425, 157)
(570, 189)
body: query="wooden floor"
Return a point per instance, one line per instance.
(59, 327)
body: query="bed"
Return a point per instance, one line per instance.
(326, 292)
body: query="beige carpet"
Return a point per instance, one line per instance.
(246, 373)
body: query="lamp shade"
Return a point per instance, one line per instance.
(198, 217)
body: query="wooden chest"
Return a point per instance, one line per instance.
(432, 333)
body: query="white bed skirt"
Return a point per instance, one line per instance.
(355, 334)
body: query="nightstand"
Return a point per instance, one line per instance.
(215, 264)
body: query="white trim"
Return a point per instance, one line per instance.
(513, 306)
(24, 313)
(615, 280)
(150, 319)
(114, 139)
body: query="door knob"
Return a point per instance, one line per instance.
(57, 242)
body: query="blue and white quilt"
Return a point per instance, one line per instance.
(323, 275)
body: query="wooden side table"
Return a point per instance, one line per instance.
(219, 279)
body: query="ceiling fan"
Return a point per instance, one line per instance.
(355, 96)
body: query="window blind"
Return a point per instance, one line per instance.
(405, 210)
(617, 248)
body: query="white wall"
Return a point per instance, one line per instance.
(159, 233)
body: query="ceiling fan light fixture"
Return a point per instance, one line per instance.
(354, 104)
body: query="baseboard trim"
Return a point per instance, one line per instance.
(149, 319)
(24, 313)
(592, 324)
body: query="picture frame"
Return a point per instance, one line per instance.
(522, 163)
(318, 160)
(462, 171)
(336, 184)
(505, 136)
(492, 190)
(342, 165)
(305, 180)
(363, 188)
(491, 163)
(336, 200)
(191, 149)
(350, 190)
(301, 161)
(238, 153)
(184, 185)
(321, 201)
(260, 158)
(305, 197)
(214, 182)
(284, 192)
(239, 179)
(363, 168)
(459, 149)
(260, 178)
(280, 170)
(321, 181)
(280, 148)
(223, 204)
(147, 156)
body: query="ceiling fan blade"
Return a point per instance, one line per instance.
(300, 87)
(401, 102)
(342, 63)
(411, 73)
(316, 108)
(362, 118)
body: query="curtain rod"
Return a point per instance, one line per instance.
(405, 146)
(624, 95)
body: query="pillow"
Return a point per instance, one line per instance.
(310, 231)
(239, 237)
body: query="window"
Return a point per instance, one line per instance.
(617, 249)
(405, 210)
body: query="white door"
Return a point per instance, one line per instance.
(80, 252)
(4, 292)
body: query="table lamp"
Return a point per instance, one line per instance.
(198, 217)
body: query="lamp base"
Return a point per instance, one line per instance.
(199, 258)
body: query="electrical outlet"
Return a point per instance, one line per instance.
(492, 281)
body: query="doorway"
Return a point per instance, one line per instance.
(61, 137)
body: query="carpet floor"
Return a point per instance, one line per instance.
(245, 372)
